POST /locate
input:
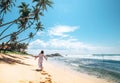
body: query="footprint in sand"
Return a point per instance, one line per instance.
(38, 70)
(47, 78)
(45, 73)
(46, 81)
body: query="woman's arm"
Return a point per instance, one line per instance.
(36, 57)
(45, 57)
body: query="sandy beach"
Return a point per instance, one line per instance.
(16, 68)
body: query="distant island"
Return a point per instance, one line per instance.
(54, 55)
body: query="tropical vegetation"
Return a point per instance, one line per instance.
(27, 20)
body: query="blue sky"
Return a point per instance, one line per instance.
(79, 27)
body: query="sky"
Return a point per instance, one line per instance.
(74, 27)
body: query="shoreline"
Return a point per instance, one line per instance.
(70, 75)
(91, 67)
(52, 73)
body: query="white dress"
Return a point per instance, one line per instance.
(40, 60)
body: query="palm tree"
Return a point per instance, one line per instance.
(13, 37)
(19, 31)
(5, 29)
(23, 47)
(5, 5)
(28, 16)
(24, 11)
(6, 36)
(43, 4)
(38, 27)
(29, 37)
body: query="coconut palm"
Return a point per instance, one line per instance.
(13, 37)
(23, 47)
(28, 17)
(38, 27)
(23, 20)
(29, 37)
(24, 14)
(43, 4)
(19, 31)
(5, 29)
(5, 5)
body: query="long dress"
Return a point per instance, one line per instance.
(40, 60)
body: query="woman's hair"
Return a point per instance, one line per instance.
(42, 52)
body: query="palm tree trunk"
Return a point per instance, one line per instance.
(8, 35)
(8, 23)
(18, 32)
(29, 41)
(5, 29)
(16, 20)
(5, 36)
(23, 39)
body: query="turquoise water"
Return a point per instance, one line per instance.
(105, 66)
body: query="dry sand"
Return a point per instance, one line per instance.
(22, 69)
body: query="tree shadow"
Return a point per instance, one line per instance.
(13, 56)
(11, 60)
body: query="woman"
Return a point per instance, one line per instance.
(40, 59)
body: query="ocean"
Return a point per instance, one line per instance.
(105, 66)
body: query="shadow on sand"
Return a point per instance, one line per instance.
(9, 59)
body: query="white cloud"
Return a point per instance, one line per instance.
(37, 44)
(40, 33)
(64, 46)
(61, 30)
(64, 43)
(61, 42)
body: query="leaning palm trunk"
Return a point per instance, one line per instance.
(27, 14)
(19, 31)
(5, 29)
(8, 23)
(23, 39)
